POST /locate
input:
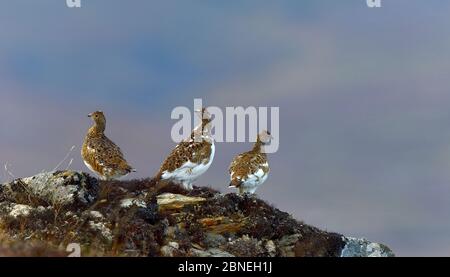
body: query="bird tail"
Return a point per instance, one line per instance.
(124, 166)
(158, 176)
(159, 183)
(130, 170)
(235, 183)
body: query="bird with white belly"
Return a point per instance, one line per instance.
(192, 157)
(250, 170)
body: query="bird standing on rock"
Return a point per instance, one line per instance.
(100, 154)
(192, 157)
(249, 170)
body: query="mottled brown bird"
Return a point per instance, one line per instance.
(249, 170)
(192, 157)
(100, 154)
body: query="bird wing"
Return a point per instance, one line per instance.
(187, 154)
(248, 164)
(106, 153)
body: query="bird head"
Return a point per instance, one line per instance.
(98, 117)
(265, 137)
(204, 115)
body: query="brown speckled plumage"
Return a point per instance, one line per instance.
(190, 158)
(102, 155)
(185, 151)
(250, 169)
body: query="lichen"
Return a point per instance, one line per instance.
(363, 248)
(20, 210)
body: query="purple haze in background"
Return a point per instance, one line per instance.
(363, 94)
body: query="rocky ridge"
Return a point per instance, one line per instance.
(44, 214)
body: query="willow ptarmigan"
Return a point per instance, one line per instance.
(192, 157)
(249, 170)
(100, 154)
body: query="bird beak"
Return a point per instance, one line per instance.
(90, 115)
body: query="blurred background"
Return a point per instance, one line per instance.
(363, 95)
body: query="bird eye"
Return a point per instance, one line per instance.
(268, 133)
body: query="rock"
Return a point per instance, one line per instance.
(364, 248)
(170, 201)
(167, 251)
(174, 244)
(20, 210)
(271, 248)
(129, 202)
(246, 247)
(98, 224)
(214, 240)
(96, 215)
(287, 245)
(222, 225)
(102, 230)
(67, 188)
(212, 252)
(171, 250)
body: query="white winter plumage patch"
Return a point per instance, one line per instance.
(189, 172)
(89, 166)
(253, 181)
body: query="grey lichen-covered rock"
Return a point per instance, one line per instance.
(98, 224)
(212, 252)
(20, 210)
(214, 240)
(171, 250)
(246, 247)
(59, 188)
(364, 248)
(271, 248)
(130, 202)
(96, 215)
(287, 244)
(102, 230)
